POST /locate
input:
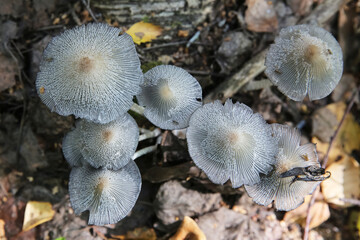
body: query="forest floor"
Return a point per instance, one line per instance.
(218, 52)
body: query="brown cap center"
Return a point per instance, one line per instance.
(86, 65)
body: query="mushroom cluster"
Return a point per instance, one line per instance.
(230, 142)
(93, 72)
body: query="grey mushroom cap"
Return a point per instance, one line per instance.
(170, 95)
(71, 146)
(108, 195)
(286, 194)
(231, 142)
(108, 145)
(304, 60)
(90, 71)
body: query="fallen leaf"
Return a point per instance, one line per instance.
(319, 212)
(141, 233)
(260, 16)
(142, 32)
(300, 7)
(8, 70)
(183, 33)
(37, 213)
(344, 182)
(188, 230)
(2, 230)
(347, 140)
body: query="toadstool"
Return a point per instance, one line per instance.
(304, 60)
(231, 142)
(108, 195)
(108, 145)
(90, 71)
(284, 184)
(170, 95)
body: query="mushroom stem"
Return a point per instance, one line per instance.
(150, 134)
(144, 151)
(137, 109)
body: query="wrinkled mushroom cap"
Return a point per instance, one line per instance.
(287, 194)
(108, 145)
(108, 195)
(90, 71)
(231, 142)
(170, 95)
(304, 60)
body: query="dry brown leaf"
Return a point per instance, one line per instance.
(2, 230)
(141, 233)
(8, 70)
(37, 213)
(343, 183)
(347, 139)
(260, 16)
(300, 7)
(188, 230)
(319, 212)
(142, 32)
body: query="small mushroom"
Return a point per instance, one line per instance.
(170, 95)
(304, 60)
(284, 184)
(90, 71)
(108, 145)
(108, 195)
(231, 142)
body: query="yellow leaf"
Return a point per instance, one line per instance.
(2, 230)
(343, 183)
(37, 213)
(319, 212)
(142, 32)
(188, 230)
(348, 138)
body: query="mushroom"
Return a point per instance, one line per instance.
(231, 142)
(107, 194)
(108, 145)
(285, 184)
(90, 71)
(305, 60)
(170, 95)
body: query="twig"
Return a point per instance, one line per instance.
(322, 13)
(87, 6)
(325, 160)
(351, 201)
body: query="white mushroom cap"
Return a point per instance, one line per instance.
(71, 146)
(108, 145)
(305, 59)
(231, 142)
(170, 95)
(108, 195)
(90, 71)
(286, 193)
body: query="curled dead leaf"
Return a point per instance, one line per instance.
(188, 230)
(260, 16)
(344, 182)
(37, 213)
(319, 212)
(142, 32)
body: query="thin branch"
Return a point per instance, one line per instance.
(325, 160)
(87, 6)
